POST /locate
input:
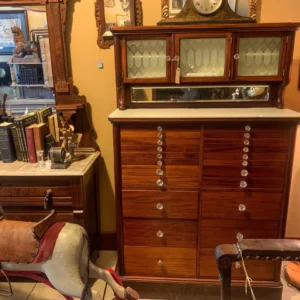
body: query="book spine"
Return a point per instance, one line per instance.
(19, 134)
(6, 145)
(56, 128)
(16, 143)
(30, 145)
(23, 137)
(25, 122)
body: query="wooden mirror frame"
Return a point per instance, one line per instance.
(136, 19)
(73, 107)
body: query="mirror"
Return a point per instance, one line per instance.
(25, 60)
(199, 94)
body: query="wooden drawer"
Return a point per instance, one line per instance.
(35, 191)
(176, 205)
(254, 158)
(235, 171)
(274, 184)
(216, 232)
(169, 158)
(174, 233)
(169, 171)
(259, 206)
(149, 182)
(257, 270)
(176, 262)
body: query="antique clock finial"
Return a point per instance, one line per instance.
(206, 11)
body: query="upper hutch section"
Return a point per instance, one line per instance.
(236, 61)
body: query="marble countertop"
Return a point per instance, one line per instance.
(77, 168)
(204, 113)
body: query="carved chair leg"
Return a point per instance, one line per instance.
(225, 277)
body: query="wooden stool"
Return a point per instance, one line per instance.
(254, 249)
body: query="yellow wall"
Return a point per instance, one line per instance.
(98, 85)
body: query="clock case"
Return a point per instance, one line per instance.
(188, 15)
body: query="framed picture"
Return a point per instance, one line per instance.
(175, 6)
(5, 77)
(9, 19)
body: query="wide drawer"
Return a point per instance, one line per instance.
(255, 160)
(160, 262)
(173, 171)
(34, 191)
(217, 232)
(257, 270)
(241, 205)
(150, 182)
(261, 158)
(160, 204)
(160, 233)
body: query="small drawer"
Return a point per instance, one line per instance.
(160, 233)
(261, 158)
(160, 204)
(253, 160)
(34, 191)
(241, 205)
(217, 232)
(160, 262)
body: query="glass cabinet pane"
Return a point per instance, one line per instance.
(147, 59)
(259, 56)
(202, 57)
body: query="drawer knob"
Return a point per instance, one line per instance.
(160, 262)
(245, 163)
(160, 135)
(247, 135)
(160, 142)
(242, 207)
(159, 172)
(159, 128)
(248, 128)
(159, 206)
(239, 236)
(159, 182)
(246, 142)
(159, 156)
(236, 56)
(160, 234)
(246, 149)
(48, 199)
(244, 173)
(243, 184)
(245, 156)
(237, 265)
(159, 149)
(159, 163)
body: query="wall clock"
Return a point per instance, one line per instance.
(206, 11)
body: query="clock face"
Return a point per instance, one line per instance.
(207, 7)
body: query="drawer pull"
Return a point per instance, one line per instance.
(244, 173)
(246, 142)
(245, 156)
(159, 206)
(247, 136)
(236, 56)
(246, 149)
(160, 234)
(48, 199)
(159, 172)
(159, 162)
(159, 182)
(237, 265)
(160, 142)
(245, 163)
(247, 128)
(239, 236)
(160, 262)
(159, 128)
(242, 207)
(159, 149)
(243, 184)
(160, 135)
(159, 156)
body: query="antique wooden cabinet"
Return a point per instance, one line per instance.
(203, 146)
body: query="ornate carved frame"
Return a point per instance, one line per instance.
(253, 4)
(71, 105)
(136, 19)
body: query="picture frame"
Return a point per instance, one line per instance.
(8, 19)
(5, 76)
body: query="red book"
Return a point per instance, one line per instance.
(30, 143)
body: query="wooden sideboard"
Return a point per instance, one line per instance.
(189, 180)
(73, 195)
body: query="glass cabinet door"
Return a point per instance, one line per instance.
(148, 60)
(259, 57)
(203, 57)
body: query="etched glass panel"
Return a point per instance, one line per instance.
(259, 56)
(203, 57)
(146, 59)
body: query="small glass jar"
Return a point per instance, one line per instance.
(40, 159)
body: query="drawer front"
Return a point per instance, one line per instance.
(150, 182)
(231, 205)
(36, 191)
(253, 160)
(160, 233)
(217, 232)
(261, 158)
(160, 204)
(160, 262)
(38, 216)
(257, 270)
(169, 171)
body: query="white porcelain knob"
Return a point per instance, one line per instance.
(159, 128)
(159, 182)
(236, 56)
(237, 265)
(159, 156)
(159, 172)
(159, 206)
(242, 207)
(160, 234)
(243, 184)
(245, 163)
(239, 236)
(246, 142)
(159, 142)
(248, 128)
(160, 262)
(159, 162)
(244, 173)
(245, 156)
(246, 149)
(160, 135)
(247, 135)
(159, 149)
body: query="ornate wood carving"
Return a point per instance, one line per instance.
(165, 9)
(252, 11)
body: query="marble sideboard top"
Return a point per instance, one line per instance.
(77, 168)
(204, 113)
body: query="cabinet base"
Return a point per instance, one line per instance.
(200, 290)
